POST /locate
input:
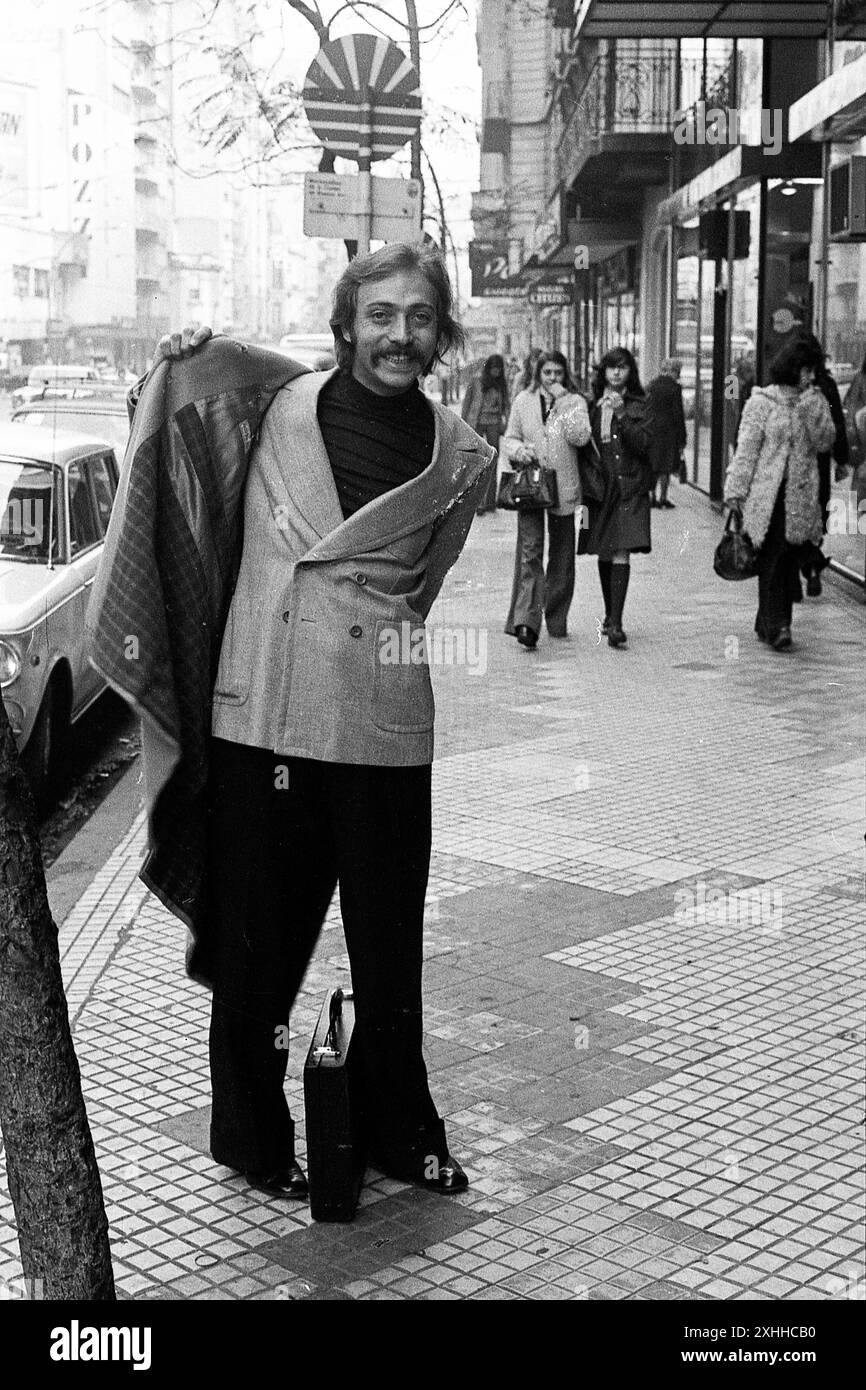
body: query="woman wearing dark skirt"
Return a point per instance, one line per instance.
(485, 410)
(618, 523)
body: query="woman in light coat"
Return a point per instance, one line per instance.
(547, 424)
(773, 481)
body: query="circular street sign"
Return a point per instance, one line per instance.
(337, 79)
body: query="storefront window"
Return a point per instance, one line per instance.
(744, 320)
(749, 69)
(845, 345)
(788, 288)
(684, 333)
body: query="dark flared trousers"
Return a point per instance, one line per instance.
(533, 591)
(778, 577)
(275, 856)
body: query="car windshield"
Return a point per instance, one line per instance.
(28, 511)
(112, 429)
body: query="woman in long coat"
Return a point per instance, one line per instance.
(772, 482)
(546, 425)
(665, 401)
(618, 515)
(485, 410)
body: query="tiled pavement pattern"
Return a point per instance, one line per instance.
(644, 951)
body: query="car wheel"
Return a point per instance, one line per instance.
(39, 757)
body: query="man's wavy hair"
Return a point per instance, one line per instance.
(378, 265)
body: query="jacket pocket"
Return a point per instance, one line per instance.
(402, 699)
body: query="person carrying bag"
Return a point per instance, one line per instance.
(547, 425)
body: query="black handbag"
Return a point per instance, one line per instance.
(735, 557)
(531, 488)
(590, 472)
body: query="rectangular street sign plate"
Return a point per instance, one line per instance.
(332, 207)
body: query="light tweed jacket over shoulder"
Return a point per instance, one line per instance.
(781, 426)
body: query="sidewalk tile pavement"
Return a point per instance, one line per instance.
(643, 989)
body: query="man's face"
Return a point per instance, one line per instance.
(395, 332)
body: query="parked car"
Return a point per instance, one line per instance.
(60, 376)
(96, 410)
(57, 489)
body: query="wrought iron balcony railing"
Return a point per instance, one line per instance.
(620, 97)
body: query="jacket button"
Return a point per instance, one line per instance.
(356, 631)
(286, 616)
(360, 578)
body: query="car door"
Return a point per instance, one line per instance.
(85, 548)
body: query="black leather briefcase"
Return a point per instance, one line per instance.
(336, 1146)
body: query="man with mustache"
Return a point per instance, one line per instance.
(358, 498)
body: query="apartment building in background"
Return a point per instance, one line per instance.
(115, 224)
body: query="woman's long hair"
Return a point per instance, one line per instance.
(819, 356)
(529, 362)
(617, 357)
(495, 383)
(559, 360)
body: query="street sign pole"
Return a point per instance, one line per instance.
(365, 182)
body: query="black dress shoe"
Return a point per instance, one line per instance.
(525, 636)
(616, 637)
(284, 1182)
(668, 506)
(446, 1177)
(605, 627)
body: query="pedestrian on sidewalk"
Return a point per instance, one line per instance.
(356, 494)
(524, 376)
(547, 424)
(665, 403)
(618, 521)
(812, 558)
(485, 410)
(772, 483)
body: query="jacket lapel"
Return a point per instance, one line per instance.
(456, 461)
(305, 465)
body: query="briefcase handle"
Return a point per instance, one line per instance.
(335, 1015)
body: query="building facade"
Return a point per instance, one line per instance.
(700, 164)
(115, 224)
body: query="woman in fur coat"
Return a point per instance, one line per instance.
(773, 481)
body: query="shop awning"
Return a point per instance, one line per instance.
(716, 19)
(744, 165)
(835, 109)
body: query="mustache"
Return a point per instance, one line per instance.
(403, 350)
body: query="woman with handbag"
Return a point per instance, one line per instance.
(546, 425)
(772, 483)
(618, 506)
(485, 410)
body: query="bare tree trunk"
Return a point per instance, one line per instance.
(51, 1165)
